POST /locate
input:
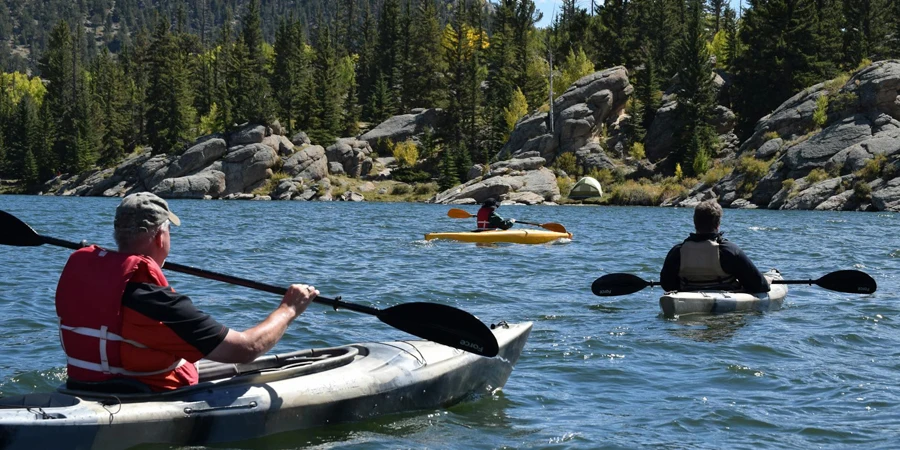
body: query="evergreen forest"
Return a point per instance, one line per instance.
(83, 83)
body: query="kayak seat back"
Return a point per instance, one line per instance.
(114, 386)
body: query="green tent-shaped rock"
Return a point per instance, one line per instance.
(586, 187)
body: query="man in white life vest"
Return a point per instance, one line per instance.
(706, 260)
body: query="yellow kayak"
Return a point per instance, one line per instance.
(517, 236)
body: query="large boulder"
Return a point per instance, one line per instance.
(579, 113)
(246, 166)
(404, 126)
(309, 163)
(210, 183)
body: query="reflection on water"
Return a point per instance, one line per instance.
(708, 328)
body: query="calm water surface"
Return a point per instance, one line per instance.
(597, 372)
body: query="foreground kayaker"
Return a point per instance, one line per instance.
(120, 319)
(706, 260)
(488, 219)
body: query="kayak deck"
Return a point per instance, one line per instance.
(513, 236)
(717, 302)
(281, 393)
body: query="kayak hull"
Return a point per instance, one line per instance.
(513, 236)
(368, 380)
(718, 302)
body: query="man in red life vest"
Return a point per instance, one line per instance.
(488, 219)
(119, 318)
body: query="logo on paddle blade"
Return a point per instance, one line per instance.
(604, 291)
(471, 345)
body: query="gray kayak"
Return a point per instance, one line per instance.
(274, 394)
(716, 302)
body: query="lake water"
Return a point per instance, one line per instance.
(597, 372)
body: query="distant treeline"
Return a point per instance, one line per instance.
(115, 75)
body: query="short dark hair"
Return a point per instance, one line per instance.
(707, 216)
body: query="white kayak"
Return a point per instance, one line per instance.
(715, 302)
(274, 394)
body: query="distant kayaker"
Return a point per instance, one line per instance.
(119, 318)
(488, 219)
(706, 260)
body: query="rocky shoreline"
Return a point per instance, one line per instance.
(833, 146)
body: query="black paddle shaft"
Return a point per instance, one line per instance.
(431, 321)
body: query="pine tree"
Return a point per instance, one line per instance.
(290, 74)
(25, 138)
(647, 92)
(778, 57)
(695, 139)
(716, 9)
(501, 76)
(615, 36)
(366, 67)
(170, 114)
(729, 24)
(530, 65)
(423, 82)
(256, 104)
(326, 120)
(863, 30)
(110, 95)
(222, 75)
(892, 45)
(389, 52)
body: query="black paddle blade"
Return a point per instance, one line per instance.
(618, 284)
(850, 281)
(15, 232)
(442, 324)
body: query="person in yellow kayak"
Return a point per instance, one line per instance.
(488, 219)
(120, 319)
(706, 260)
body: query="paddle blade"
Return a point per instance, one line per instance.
(618, 284)
(457, 213)
(15, 232)
(442, 324)
(557, 227)
(849, 281)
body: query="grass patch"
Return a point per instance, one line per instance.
(753, 170)
(816, 175)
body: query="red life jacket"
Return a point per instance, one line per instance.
(89, 306)
(484, 218)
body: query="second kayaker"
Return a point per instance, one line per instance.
(706, 260)
(120, 320)
(488, 219)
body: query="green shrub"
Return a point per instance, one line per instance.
(425, 188)
(410, 175)
(842, 101)
(701, 162)
(401, 189)
(753, 170)
(816, 175)
(406, 153)
(835, 85)
(788, 184)
(873, 168)
(637, 151)
(565, 184)
(636, 194)
(820, 115)
(567, 163)
(862, 191)
(716, 173)
(770, 135)
(604, 176)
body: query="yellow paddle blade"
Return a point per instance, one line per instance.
(557, 227)
(457, 213)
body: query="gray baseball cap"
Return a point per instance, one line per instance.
(143, 211)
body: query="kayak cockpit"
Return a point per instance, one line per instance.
(263, 370)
